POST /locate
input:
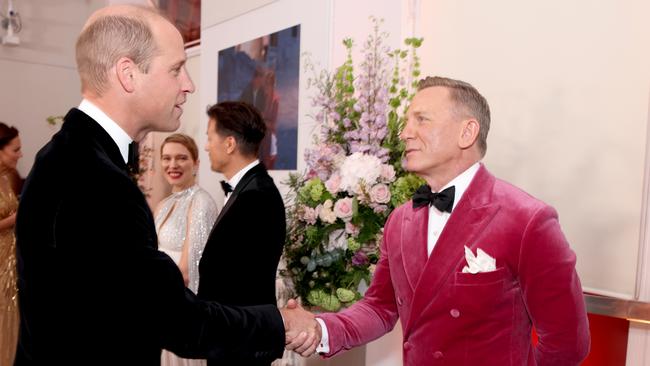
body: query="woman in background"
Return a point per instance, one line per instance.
(9, 190)
(184, 219)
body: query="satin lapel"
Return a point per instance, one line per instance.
(246, 179)
(414, 243)
(470, 217)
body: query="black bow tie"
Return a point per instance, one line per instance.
(443, 201)
(133, 164)
(227, 188)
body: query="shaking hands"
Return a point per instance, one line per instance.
(303, 333)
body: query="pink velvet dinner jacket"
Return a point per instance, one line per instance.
(454, 318)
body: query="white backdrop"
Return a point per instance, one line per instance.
(568, 84)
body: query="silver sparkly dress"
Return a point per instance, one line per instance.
(193, 204)
(188, 214)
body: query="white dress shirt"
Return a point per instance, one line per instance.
(237, 177)
(437, 221)
(121, 138)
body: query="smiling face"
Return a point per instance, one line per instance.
(178, 166)
(11, 153)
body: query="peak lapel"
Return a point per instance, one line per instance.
(470, 217)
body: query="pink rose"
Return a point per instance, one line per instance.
(343, 208)
(380, 193)
(333, 184)
(309, 215)
(352, 229)
(379, 208)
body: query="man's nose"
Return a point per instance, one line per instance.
(188, 84)
(406, 131)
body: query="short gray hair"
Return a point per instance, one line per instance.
(468, 102)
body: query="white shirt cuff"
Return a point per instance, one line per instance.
(324, 346)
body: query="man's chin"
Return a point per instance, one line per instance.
(172, 126)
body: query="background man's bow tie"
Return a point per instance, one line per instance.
(443, 201)
(227, 188)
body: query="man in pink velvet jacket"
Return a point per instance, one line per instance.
(468, 278)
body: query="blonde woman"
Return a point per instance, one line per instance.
(184, 219)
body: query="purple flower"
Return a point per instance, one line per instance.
(359, 259)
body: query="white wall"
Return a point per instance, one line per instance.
(38, 78)
(568, 86)
(638, 344)
(216, 11)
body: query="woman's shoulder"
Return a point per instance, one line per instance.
(202, 195)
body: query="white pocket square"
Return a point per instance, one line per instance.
(481, 262)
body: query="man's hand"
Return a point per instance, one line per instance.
(303, 332)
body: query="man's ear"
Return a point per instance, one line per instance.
(231, 144)
(468, 133)
(125, 70)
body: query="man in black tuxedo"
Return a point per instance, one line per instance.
(241, 256)
(93, 288)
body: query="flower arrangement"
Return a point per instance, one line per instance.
(337, 209)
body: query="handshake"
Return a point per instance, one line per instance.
(302, 332)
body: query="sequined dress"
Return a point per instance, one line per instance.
(8, 290)
(188, 214)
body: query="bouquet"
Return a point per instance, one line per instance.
(338, 207)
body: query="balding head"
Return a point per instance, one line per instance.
(111, 33)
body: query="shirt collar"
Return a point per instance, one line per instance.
(121, 138)
(461, 182)
(240, 174)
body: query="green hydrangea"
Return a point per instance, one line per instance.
(403, 188)
(344, 294)
(353, 245)
(312, 190)
(329, 302)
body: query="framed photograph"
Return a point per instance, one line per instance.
(264, 72)
(272, 37)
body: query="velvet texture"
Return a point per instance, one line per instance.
(455, 318)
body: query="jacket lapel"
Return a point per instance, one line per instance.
(414, 233)
(470, 217)
(243, 183)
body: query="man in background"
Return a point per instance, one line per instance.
(93, 288)
(472, 262)
(241, 256)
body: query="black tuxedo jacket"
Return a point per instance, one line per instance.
(241, 256)
(93, 288)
